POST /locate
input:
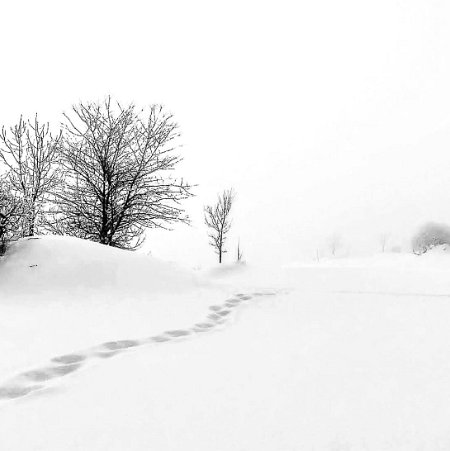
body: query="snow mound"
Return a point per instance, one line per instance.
(52, 264)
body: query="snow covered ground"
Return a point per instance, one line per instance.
(108, 350)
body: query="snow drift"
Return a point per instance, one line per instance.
(75, 267)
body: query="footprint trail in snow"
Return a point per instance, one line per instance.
(32, 381)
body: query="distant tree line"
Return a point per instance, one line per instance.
(104, 176)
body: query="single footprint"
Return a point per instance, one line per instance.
(106, 355)
(69, 358)
(178, 333)
(121, 344)
(66, 369)
(50, 373)
(38, 375)
(233, 301)
(199, 330)
(215, 308)
(204, 325)
(224, 312)
(245, 298)
(16, 391)
(214, 316)
(159, 338)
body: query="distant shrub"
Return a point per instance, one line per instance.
(430, 235)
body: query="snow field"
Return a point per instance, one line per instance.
(347, 355)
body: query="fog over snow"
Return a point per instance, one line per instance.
(324, 116)
(331, 122)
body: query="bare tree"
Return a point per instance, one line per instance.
(239, 254)
(317, 255)
(115, 163)
(217, 220)
(30, 153)
(334, 243)
(384, 238)
(11, 210)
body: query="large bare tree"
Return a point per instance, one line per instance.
(30, 153)
(218, 221)
(116, 163)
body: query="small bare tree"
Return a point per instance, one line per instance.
(384, 238)
(317, 255)
(239, 253)
(334, 243)
(217, 220)
(30, 153)
(115, 162)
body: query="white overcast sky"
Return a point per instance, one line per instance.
(325, 116)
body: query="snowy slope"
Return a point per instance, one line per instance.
(345, 355)
(70, 267)
(59, 294)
